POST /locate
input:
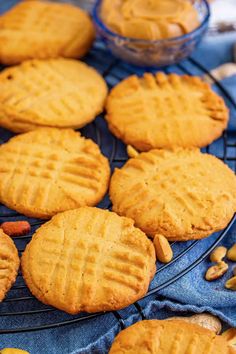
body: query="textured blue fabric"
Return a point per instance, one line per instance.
(189, 294)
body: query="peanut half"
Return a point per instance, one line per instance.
(230, 336)
(234, 271)
(231, 254)
(204, 320)
(218, 254)
(231, 284)
(216, 271)
(163, 249)
(131, 151)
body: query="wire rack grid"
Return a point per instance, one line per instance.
(20, 305)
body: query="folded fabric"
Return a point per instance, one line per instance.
(195, 290)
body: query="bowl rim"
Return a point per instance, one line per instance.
(98, 21)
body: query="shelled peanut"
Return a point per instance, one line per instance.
(234, 271)
(220, 268)
(216, 271)
(163, 249)
(131, 151)
(231, 283)
(218, 254)
(231, 254)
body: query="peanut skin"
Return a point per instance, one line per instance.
(216, 271)
(15, 228)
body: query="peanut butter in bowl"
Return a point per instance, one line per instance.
(149, 19)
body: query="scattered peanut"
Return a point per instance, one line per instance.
(231, 254)
(218, 254)
(221, 267)
(15, 228)
(204, 320)
(13, 351)
(222, 71)
(163, 249)
(234, 271)
(216, 271)
(230, 336)
(231, 284)
(131, 151)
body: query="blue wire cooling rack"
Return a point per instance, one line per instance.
(20, 304)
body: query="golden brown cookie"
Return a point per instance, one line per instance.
(13, 351)
(43, 29)
(63, 93)
(50, 170)
(162, 111)
(9, 263)
(169, 337)
(88, 259)
(182, 194)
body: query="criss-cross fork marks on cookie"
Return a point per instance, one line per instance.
(9, 263)
(182, 194)
(43, 177)
(97, 261)
(57, 92)
(161, 111)
(43, 29)
(49, 165)
(169, 337)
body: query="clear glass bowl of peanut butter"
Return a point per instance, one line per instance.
(151, 33)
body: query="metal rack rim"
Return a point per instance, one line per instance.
(114, 159)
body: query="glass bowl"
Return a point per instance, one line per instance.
(153, 53)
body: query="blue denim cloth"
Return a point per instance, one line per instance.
(189, 294)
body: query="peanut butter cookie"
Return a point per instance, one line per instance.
(50, 170)
(167, 337)
(61, 93)
(182, 194)
(44, 29)
(9, 263)
(88, 259)
(163, 111)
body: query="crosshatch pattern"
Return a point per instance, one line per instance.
(51, 31)
(116, 260)
(58, 90)
(151, 101)
(20, 304)
(60, 167)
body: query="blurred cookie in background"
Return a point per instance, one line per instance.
(43, 29)
(63, 93)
